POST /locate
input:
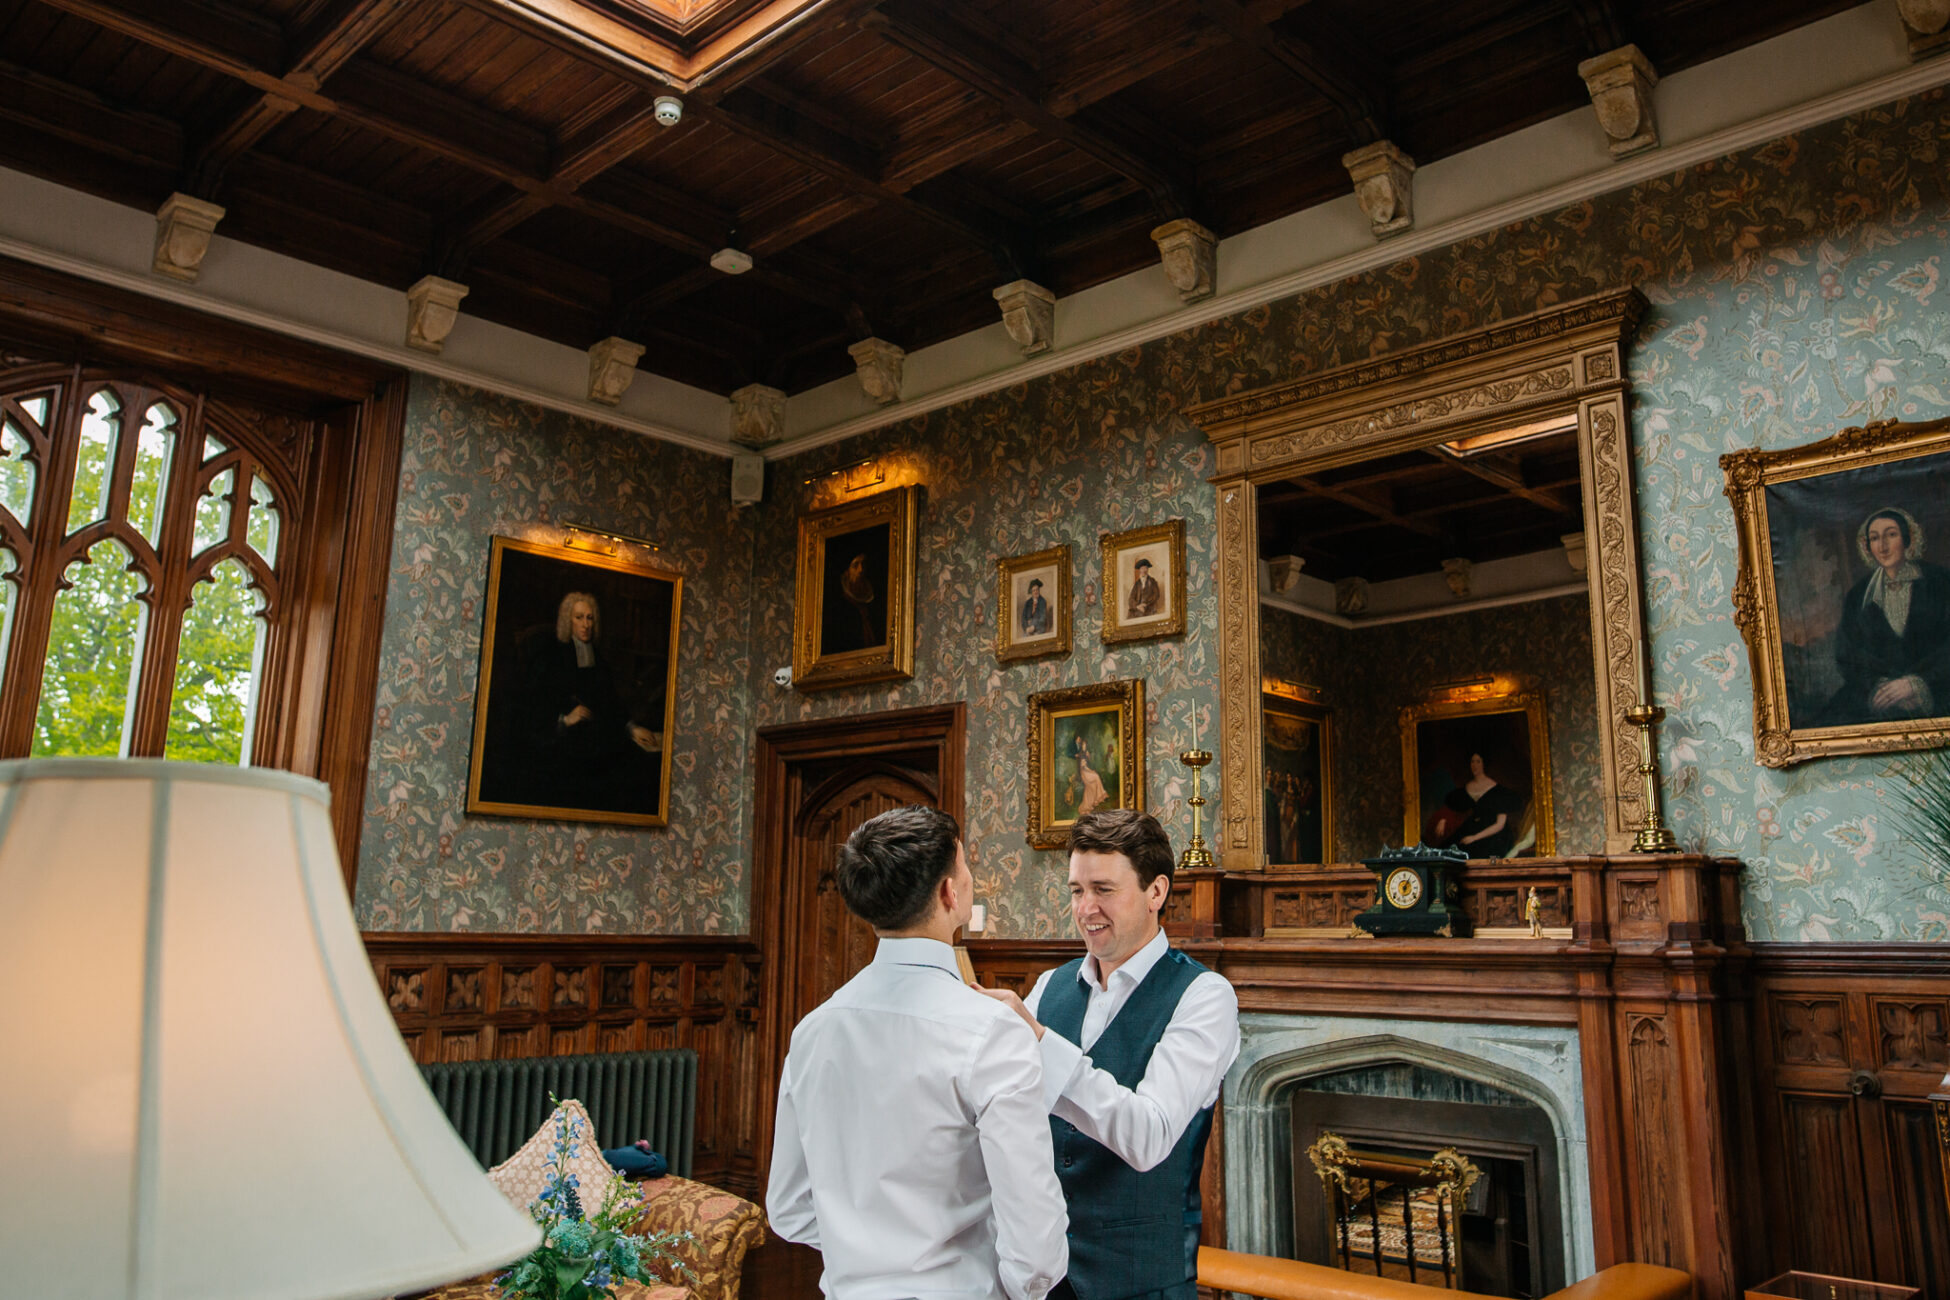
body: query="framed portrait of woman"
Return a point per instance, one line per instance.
(1842, 595)
(1086, 751)
(575, 704)
(1476, 772)
(853, 614)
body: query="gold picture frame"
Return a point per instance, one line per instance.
(1086, 751)
(853, 612)
(1139, 603)
(558, 738)
(1032, 605)
(1833, 672)
(1297, 775)
(1509, 728)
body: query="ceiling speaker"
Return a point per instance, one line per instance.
(747, 479)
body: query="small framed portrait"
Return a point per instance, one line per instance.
(1842, 596)
(853, 617)
(1144, 582)
(1297, 776)
(1476, 773)
(1086, 751)
(574, 708)
(1032, 615)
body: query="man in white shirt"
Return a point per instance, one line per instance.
(1136, 1040)
(913, 1142)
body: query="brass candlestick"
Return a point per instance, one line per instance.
(1654, 835)
(1196, 854)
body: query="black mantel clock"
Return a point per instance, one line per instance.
(1415, 893)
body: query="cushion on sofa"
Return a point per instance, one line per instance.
(522, 1175)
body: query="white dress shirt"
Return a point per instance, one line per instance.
(913, 1146)
(1187, 1067)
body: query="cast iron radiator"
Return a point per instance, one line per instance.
(496, 1106)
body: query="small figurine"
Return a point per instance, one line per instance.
(1533, 912)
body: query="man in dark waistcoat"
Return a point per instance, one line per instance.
(1136, 1039)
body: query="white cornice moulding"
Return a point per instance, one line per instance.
(1432, 611)
(1841, 65)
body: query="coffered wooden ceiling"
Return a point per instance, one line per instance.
(887, 163)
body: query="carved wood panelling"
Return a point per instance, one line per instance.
(1658, 1160)
(460, 997)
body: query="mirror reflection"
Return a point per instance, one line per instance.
(1425, 644)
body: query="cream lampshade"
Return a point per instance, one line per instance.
(202, 1094)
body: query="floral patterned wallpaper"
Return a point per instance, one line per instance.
(1370, 673)
(1795, 290)
(476, 465)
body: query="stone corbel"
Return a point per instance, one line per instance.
(1621, 85)
(1927, 25)
(612, 368)
(757, 415)
(1456, 572)
(1029, 314)
(1383, 184)
(1190, 254)
(879, 365)
(184, 226)
(1350, 597)
(432, 307)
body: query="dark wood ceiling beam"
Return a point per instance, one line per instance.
(1365, 505)
(1333, 66)
(1506, 477)
(949, 45)
(316, 53)
(40, 102)
(1099, 71)
(1599, 23)
(243, 45)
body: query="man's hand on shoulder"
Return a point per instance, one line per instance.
(1014, 1003)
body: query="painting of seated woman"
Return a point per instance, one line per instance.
(1478, 780)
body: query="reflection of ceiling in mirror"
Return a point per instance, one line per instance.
(1510, 493)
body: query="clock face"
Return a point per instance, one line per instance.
(1403, 888)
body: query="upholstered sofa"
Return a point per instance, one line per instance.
(723, 1228)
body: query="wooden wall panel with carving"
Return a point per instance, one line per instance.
(463, 997)
(1850, 1041)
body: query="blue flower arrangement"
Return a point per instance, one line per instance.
(586, 1259)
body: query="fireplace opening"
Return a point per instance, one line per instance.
(1506, 1236)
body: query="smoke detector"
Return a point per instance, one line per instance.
(732, 261)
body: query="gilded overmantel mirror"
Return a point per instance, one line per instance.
(1453, 526)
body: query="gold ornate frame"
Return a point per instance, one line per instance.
(812, 671)
(1045, 707)
(1446, 704)
(1565, 361)
(1756, 611)
(1305, 702)
(499, 547)
(1173, 624)
(1006, 646)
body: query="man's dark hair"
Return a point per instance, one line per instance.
(1035, 583)
(889, 867)
(1136, 835)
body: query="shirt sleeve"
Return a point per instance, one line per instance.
(1144, 1123)
(1061, 1057)
(789, 1193)
(1006, 1087)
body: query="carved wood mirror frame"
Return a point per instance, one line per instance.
(1554, 363)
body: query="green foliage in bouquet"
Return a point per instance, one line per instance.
(1923, 811)
(587, 1259)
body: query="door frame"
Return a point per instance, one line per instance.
(780, 749)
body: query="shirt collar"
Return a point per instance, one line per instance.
(1136, 968)
(917, 952)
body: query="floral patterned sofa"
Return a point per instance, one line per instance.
(723, 1228)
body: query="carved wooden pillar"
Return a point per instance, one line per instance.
(1240, 836)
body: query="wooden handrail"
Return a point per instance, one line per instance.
(1287, 1279)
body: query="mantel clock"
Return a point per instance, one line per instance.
(1415, 893)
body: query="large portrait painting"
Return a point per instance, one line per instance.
(1086, 751)
(1842, 595)
(853, 619)
(1476, 773)
(1144, 582)
(1297, 775)
(1032, 616)
(574, 708)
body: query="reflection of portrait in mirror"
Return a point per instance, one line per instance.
(1087, 774)
(1863, 616)
(1892, 644)
(1292, 793)
(1146, 597)
(853, 613)
(1475, 784)
(1034, 617)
